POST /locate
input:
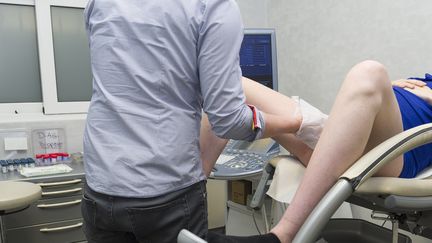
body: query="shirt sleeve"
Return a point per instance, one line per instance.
(219, 43)
(87, 11)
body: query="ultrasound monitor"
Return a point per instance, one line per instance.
(241, 159)
(258, 56)
(19, 61)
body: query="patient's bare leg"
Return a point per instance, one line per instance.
(364, 114)
(276, 106)
(275, 103)
(270, 101)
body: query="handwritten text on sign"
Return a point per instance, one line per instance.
(49, 141)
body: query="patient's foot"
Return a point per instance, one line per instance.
(219, 238)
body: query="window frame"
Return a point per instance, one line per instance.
(22, 107)
(47, 60)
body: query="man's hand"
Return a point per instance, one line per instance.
(211, 146)
(416, 87)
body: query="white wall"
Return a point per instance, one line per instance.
(254, 13)
(318, 41)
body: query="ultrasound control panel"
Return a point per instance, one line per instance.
(244, 159)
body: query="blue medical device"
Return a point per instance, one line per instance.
(258, 56)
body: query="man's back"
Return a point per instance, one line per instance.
(156, 64)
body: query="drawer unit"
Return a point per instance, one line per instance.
(61, 188)
(46, 211)
(59, 232)
(55, 217)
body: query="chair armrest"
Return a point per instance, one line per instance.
(362, 170)
(387, 151)
(396, 186)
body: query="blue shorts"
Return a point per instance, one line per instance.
(415, 111)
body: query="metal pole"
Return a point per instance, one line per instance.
(319, 217)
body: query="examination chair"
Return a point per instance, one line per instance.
(405, 202)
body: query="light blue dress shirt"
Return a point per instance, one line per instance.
(156, 65)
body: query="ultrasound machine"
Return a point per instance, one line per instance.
(241, 159)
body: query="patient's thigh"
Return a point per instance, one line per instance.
(268, 100)
(392, 169)
(388, 123)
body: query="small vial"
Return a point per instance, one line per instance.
(46, 159)
(20, 164)
(24, 163)
(31, 162)
(10, 164)
(39, 159)
(4, 166)
(66, 157)
(53, 158)
(16, 164)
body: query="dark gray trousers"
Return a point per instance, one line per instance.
(110, 219)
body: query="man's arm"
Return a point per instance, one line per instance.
(211, 146)
(219, 42)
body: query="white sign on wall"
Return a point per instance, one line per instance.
(47, 141)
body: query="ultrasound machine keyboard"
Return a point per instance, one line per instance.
(241, 163)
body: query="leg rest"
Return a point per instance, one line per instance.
(358, 231)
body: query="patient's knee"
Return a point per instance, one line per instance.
(373, 68)
(368, 78)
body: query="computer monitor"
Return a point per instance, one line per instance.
(258, 56)
(19, 61)
(257, 62)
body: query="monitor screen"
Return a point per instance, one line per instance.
(258, 58)
(19, 61)
(71, 54)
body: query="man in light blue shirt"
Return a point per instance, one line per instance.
(156, 65)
